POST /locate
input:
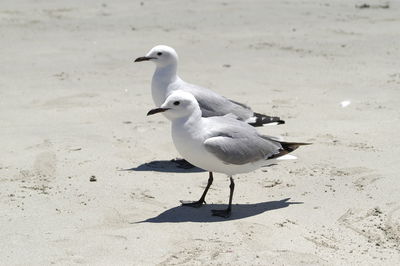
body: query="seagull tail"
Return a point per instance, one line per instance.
(287, 157)
(287, 147)
(291, 146)
(261, 120)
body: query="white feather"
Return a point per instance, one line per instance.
(271, 124)
(345, 103)
(287, 157)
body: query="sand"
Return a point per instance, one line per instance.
(73, 105)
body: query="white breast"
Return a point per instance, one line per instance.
(188, 141)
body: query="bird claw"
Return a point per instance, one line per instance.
(221, 213)
(194, 204)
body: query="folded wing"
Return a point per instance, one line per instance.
(240, 145)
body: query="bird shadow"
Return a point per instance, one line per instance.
(183, 214)
(166, 166)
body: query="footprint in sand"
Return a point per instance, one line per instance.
(43, 170)
(379, 228)
(77, 100)
(45, 164)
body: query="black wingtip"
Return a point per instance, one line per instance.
(291, 146)
(288, 147)
(265, 119)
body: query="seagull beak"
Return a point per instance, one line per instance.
(157, 110)
(144, 58)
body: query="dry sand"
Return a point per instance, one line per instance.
(73, 105)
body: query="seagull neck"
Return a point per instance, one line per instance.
(190, 120)
(166, 73)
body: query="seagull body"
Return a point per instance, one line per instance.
(165, 81)
(211, 137)
(218, 144)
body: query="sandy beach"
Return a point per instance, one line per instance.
(73, 107)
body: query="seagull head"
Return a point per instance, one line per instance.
(177, 105)
(161, 55)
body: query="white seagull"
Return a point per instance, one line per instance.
(165, 80)
(220, 144)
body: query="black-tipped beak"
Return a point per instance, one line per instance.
(144, 58)
(157, 110)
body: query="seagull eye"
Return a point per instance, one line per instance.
(176, 103)
(159, 53)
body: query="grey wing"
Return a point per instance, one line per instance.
(213, 104)
(238, 147)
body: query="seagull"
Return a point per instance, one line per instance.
(165, 80)
(219, 144)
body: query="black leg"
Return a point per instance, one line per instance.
(226, 213)
(197, 204)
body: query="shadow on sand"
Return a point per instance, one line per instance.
(203, 215)
(167, 166)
